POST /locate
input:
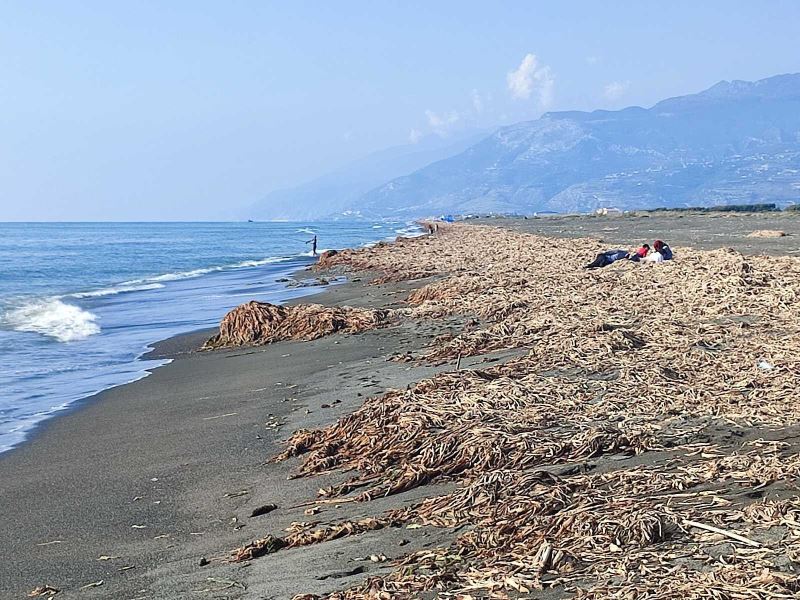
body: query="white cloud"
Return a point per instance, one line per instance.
(441, 124)
(616, 90)
(414, 136)
(592, 60)
(347, 136)
(531, 79)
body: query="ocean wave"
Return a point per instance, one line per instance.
(410, 231)
(117, 289)
(204, 271)
(306, 230)
(53, 318)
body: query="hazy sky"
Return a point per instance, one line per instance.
(188, 110)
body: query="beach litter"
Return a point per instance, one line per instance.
(641, 446)
(43, 590)
(94, 584)
(257, 323)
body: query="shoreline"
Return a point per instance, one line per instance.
(152, 352)
(118, 353)
(55, 500)
(190, 463)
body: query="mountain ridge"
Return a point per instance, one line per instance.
(734, 142)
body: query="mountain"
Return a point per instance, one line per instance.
(736, 142)
(333, 193)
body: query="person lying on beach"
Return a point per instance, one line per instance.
(606, 258)
(640, 253)
(663, 249)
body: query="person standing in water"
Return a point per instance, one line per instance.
(313, 242)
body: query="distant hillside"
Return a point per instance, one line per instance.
(337, 191)
(737, 142)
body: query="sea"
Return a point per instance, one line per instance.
(81, 303)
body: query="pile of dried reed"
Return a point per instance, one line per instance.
(621, 456)
(256, 323)
(767, 233)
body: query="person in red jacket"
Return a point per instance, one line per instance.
(640, 253)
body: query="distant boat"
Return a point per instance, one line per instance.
(250, 221)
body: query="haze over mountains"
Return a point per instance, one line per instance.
(736, 142)
(336, 193)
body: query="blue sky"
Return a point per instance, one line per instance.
(190, 110)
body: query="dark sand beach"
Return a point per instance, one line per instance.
(144, 490)
(703, 231)
(163, 472)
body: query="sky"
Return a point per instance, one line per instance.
(192, 110)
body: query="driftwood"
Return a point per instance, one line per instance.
(256, 323)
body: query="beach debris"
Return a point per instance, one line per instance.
(767, 233)
(377, 558)
(325, 258)
(620, 453)
(138, 526)
(220, 416)
(94, 584)
(225, 583)
(236, 494)
(263, 510)
(203, 561)
(105, 557)
(43, 590)
(723, 532)
(257, 323)
(50, 543)
(260, 547)
(126, 568)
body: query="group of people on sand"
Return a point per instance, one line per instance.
(658, 253)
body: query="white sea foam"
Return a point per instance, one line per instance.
(53, 318)
(306, 230)
(118, 289)
(311, 254)
(204, 271)
(410, 231)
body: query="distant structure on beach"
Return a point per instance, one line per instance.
(608, 210)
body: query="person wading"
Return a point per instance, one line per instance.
(313, 242)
